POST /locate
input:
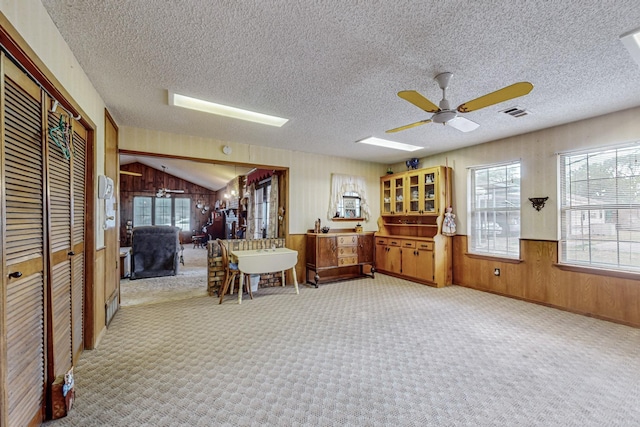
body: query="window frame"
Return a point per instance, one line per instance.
(494, 231)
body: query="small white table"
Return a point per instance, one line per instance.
(257, 261)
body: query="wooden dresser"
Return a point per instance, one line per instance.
(339, 255)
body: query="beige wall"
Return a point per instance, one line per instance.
(538, 154)
(310, 174)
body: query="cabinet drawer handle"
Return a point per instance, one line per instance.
(15, 274)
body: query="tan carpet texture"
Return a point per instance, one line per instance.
(366, 352)
(191, 281)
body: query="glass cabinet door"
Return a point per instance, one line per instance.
(386, 197)
(398, 193)
(415, 193)
(428, 195)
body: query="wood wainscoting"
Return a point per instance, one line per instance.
(538, 279)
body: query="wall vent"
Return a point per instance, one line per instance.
(516, 111)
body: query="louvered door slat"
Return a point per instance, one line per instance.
(19, 169)
(78, 190)
(25, 347)
(78, 305)
(60, 194)
(79, 146)
(61, 298)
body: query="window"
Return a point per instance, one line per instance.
(142, 207)
(162, 211)
(347, 200)
(162, 214)
(600, 208)
(262, 194)
(494, 210)
(182, 213)
(349, 206)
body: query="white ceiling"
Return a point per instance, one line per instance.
(334, 67)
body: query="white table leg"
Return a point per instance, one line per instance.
(295, 280)
(240, 285)
(282, 278)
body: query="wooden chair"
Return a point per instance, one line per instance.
(230, 273)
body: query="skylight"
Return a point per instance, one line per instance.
(183, 101)
(389, 144)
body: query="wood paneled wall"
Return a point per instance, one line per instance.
(148, 184)
(298, 242)
(539, 280)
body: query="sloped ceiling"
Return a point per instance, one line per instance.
(207, 175)
(334, 67)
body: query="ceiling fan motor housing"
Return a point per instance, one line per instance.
(444, 116)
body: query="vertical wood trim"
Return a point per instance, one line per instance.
(112, 276)
(91, 329)
(4, 402)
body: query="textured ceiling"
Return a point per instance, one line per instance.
(334, 67)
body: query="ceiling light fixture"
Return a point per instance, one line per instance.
(631, 41)
(388, 144)
(183, 101)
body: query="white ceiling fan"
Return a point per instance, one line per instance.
(166, 192)
(447, 116)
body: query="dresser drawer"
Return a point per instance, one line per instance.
(409, 244)
(347, 250)
(395, 242)
(425, 246)
(347, 260)
(381, 240)
(348, 240)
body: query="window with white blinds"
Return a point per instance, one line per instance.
(494, 210)
(600, 208)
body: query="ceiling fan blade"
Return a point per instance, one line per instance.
(421, 122)
(462, 124)
(504, 94)
(419, 101)
(174, 191)
(130, 173)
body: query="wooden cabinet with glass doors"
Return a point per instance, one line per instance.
(414, 192)
(409, 243)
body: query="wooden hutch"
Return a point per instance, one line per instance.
(410, 243)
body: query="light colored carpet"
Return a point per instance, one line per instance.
(191, 281)
(381, 352)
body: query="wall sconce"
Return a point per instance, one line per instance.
(538, 202)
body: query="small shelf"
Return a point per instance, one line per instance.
(410, 225)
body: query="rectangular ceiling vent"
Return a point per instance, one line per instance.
(516, 112)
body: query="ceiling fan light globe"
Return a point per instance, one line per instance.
(444, 116)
